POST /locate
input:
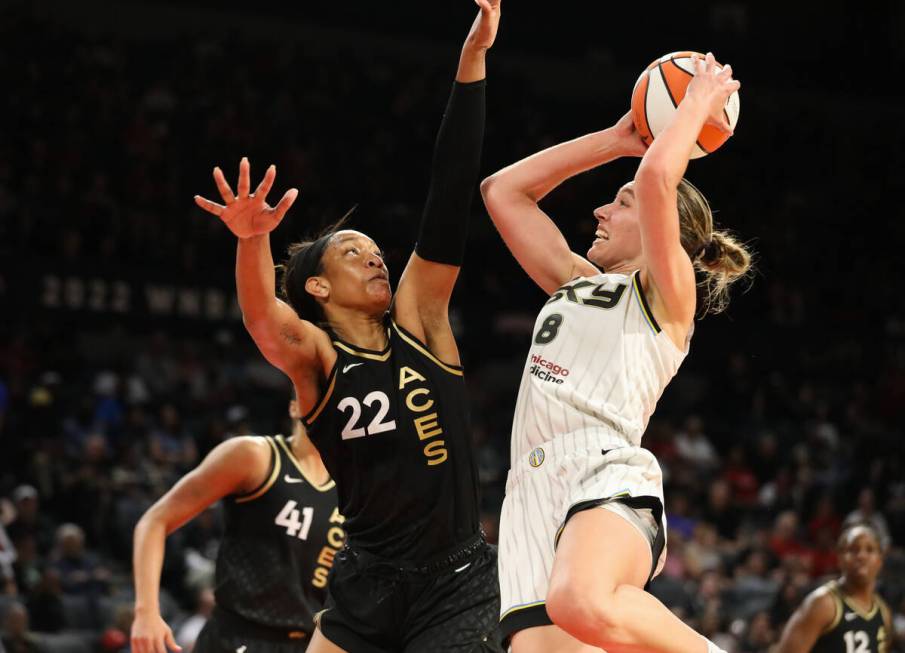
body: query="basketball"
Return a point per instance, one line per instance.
(660, 89)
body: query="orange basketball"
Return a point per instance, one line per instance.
(658, 92)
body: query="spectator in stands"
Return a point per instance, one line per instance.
(719, 510)
(693, 447)
(17, 636)
(29, 520)
(7, 558)
(785, 541)
(866, 513)
(80, 571)
(188, 631)
(45, 603)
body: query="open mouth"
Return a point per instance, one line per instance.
(601, 234)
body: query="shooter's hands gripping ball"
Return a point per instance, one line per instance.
(246, 214)
(483, 30)
(630, 143)
(712, 85)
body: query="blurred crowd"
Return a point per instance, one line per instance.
(784, 424)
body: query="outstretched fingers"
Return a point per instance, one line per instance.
(223, 186)
(266, 183)
(288, 198)
(210, 207)
(244, 177)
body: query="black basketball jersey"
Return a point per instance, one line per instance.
(853, 630)
(278, 545)
(393, 428)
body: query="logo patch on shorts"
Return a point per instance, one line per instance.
(536, 457)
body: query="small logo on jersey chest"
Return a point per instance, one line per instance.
(348, 367)
(850, 616)
(536, 457)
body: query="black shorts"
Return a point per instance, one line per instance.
(226, 632)
(378, 606)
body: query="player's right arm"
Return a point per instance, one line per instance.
(286, 341)
(236, 466)
(512, 195)
(813, 617)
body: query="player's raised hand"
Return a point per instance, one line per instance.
(248, 214)
(630, 142)
(483, 30)
(712, 85)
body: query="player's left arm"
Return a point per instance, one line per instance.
(807, 623)
(668, 271)
(425, 287)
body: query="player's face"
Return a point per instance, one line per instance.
(618, 235)
(358, 278)
(860, 557)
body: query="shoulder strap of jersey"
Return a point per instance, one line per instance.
(419, 346)
(272, 475)
(838, 608)
(884, 607)
(293, 464)
(330, 383)
(642, 302)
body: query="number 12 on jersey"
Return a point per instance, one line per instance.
(289, 518)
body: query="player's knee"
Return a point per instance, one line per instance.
(582, 609)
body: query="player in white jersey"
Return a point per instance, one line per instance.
(582, 529)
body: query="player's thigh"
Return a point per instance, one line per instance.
(598, 551)
(548, 639)
(320, 644)
(460, 612)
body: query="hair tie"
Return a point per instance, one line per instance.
(710, 251)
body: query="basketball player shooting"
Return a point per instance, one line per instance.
(617, 337)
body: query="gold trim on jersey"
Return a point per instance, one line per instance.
(519, 608)
(839, 609)
(642, 302)
(374, 357)
(274, 474)
(295, 461)
(318, 409)
(417, 345)
(867, 616)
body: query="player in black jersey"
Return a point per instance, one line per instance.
(845, 615)
(282, 530)
(384, 394)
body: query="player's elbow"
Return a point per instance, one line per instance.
(500, 196)
(653, 177)
(155, 516)
(490, 188)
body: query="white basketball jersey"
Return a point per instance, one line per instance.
(598, 363)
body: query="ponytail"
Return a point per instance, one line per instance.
(722, 262)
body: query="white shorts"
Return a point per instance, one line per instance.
(543, 492)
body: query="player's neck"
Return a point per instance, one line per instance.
(365, 331)
(627, 268)
(308, 457)
(862, 595)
